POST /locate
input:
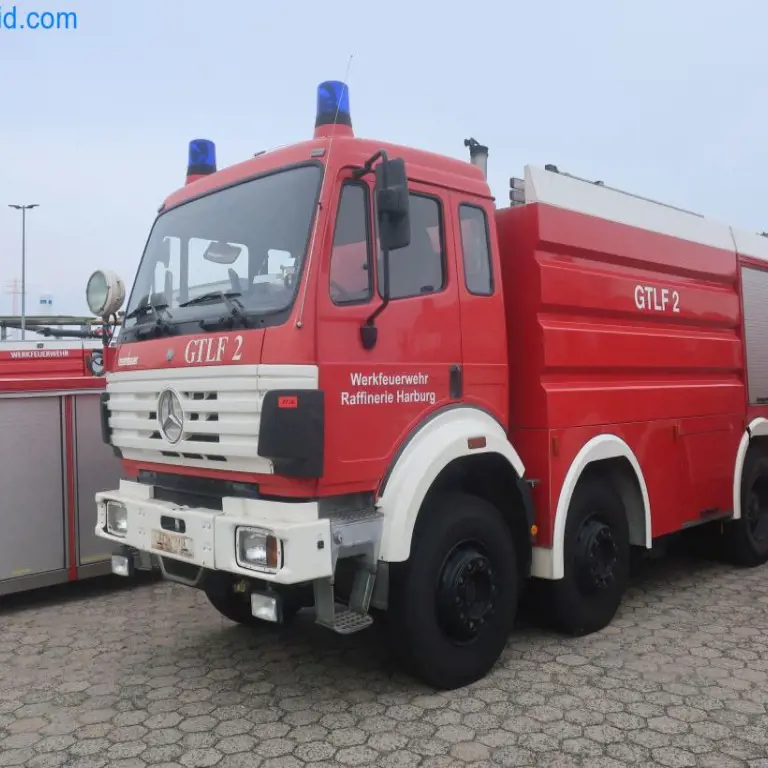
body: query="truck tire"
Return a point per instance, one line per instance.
(452, 605)
(236, 606)
(597, 559)
(747, 538)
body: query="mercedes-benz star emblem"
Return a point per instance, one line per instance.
(170, 416)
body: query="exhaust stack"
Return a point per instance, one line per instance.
(478, 155)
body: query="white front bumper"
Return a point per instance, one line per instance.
(211, 534)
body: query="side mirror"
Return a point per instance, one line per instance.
(393, 204)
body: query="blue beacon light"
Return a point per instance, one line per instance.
(202, 159)
(333, 115)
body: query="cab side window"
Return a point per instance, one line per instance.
(419, 268)
(350, 281)
(478, 275)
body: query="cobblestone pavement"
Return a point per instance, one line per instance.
(151, 675)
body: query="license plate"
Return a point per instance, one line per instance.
(173, 543)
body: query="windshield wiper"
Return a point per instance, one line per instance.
(234, 317)
(160, 312)
(156, 309)
(225, 296)
(256, 318)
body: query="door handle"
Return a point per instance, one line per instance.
(456, 383)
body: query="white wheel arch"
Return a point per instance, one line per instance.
(435, 445)
(549, 563)
(757, 428)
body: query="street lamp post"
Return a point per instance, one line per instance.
(24, 209)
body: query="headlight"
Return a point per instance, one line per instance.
(257, 548)
(95, 363)
(105, 293)
(117, 519)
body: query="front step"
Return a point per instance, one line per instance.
(355, 536)
(340, 618)
(345, 621)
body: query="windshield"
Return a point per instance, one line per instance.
(247, 241)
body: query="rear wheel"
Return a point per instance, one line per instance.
(597, 556)
(747, 538)
(453, 603)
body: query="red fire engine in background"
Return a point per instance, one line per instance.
(346, 379)
(50, 414)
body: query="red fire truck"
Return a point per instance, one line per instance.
(346, 379)
(49, 419)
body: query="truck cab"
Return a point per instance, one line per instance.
(310, 389)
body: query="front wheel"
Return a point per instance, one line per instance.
(452, 605)
(596, 560)
(747, 538)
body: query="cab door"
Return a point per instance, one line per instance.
(483, 322)
(374, 398)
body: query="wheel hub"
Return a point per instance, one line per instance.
(596, 556)
(466, 593)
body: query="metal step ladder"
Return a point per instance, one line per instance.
(355, 534)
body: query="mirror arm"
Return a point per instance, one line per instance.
(369, 331)
(358, 173)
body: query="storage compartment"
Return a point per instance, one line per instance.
(98, 469)
(32, 533)
(755, 290)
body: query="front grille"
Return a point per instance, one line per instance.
(222, 413)
(193, 416)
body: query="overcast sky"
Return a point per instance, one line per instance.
(666, 98)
